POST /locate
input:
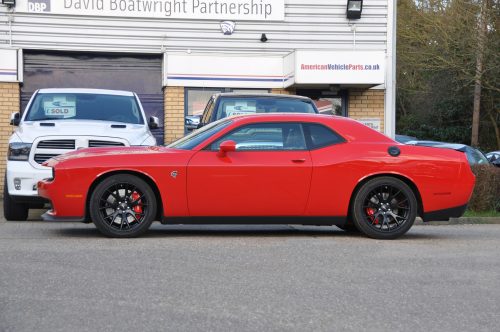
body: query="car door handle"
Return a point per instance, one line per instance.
(299, 160)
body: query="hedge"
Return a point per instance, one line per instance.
(486, 194)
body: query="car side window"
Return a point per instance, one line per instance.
(320, 136)
(266, 137)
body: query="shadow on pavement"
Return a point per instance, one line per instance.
(266, 231)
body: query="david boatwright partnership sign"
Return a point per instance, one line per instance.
(255, 10)
(332, 67)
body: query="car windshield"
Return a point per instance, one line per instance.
(196, 137)
(229, 106)
(84, 106)
(476, 157)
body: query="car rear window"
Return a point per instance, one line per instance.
(229, 106)
(85, 106)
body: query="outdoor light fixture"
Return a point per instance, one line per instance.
(354, 9)
(10, 3)
(263, 38)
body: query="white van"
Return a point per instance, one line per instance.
(57, 121)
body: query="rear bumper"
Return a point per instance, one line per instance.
(445, 214)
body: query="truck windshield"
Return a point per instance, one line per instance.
(84, 106)
(229, 106)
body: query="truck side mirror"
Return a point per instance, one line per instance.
(15, 119)
(154, 122)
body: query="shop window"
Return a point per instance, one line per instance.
(196, 100)
(326, 101)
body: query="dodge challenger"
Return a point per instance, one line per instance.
(303, 169)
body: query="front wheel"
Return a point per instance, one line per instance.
(384, 208)
(123, 206)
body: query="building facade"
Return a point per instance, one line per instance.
(176, 53)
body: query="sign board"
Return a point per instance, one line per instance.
(8, 65)
(207, 70)
(332, 67)
(373, 123)
(249, 10)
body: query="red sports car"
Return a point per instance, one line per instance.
(262, 169)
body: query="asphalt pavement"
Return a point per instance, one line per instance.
(67, 277)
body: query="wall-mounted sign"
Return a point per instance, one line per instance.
(373, 123)
(209, 70)
(252, 10)
(8, 65)
(331, 67)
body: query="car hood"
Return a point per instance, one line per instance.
(135, 134)
(107, 152)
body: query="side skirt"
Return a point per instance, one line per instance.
(312, 221)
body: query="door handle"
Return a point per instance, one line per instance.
(302, 160)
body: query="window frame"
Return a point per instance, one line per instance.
(208, 146)
(305, 130)
(310, 144)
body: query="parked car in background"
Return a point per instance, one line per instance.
(494, 158)
(57, 121)
(192, 122)
(404, 138)
(474, 156)
(264, 169)
(222, 105)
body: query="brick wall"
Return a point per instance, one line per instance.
(9, 103)
(283, 91)
(364, 103)
(174, 113)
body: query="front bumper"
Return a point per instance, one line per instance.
(28, 176)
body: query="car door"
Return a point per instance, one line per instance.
(269, 174)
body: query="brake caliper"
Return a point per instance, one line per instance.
(371, 214)
(138, 207)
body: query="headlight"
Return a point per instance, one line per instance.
(19, 151)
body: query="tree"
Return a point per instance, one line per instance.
(447, 64)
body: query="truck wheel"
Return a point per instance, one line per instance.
(12, 210)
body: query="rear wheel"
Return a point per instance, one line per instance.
(123, 206)
(12, 210)
(384, 208)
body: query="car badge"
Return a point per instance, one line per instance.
(174, 174)
(227, 27)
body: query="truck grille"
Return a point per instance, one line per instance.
(64, 144)
(98, 144)
(42, 157)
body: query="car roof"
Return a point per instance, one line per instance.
(259, 94)
(89, 91)
(348, 128)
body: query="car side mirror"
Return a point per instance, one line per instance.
(154, 122)
(15, 119)
(225, 147)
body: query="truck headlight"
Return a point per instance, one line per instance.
(19, 151)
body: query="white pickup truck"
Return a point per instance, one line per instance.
(57, 121)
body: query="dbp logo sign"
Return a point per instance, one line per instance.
(39, 6)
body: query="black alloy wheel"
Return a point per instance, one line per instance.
(384, 208)
(123, 206)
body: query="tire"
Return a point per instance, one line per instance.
(12, 210)
(122, 206)
(384, 208)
